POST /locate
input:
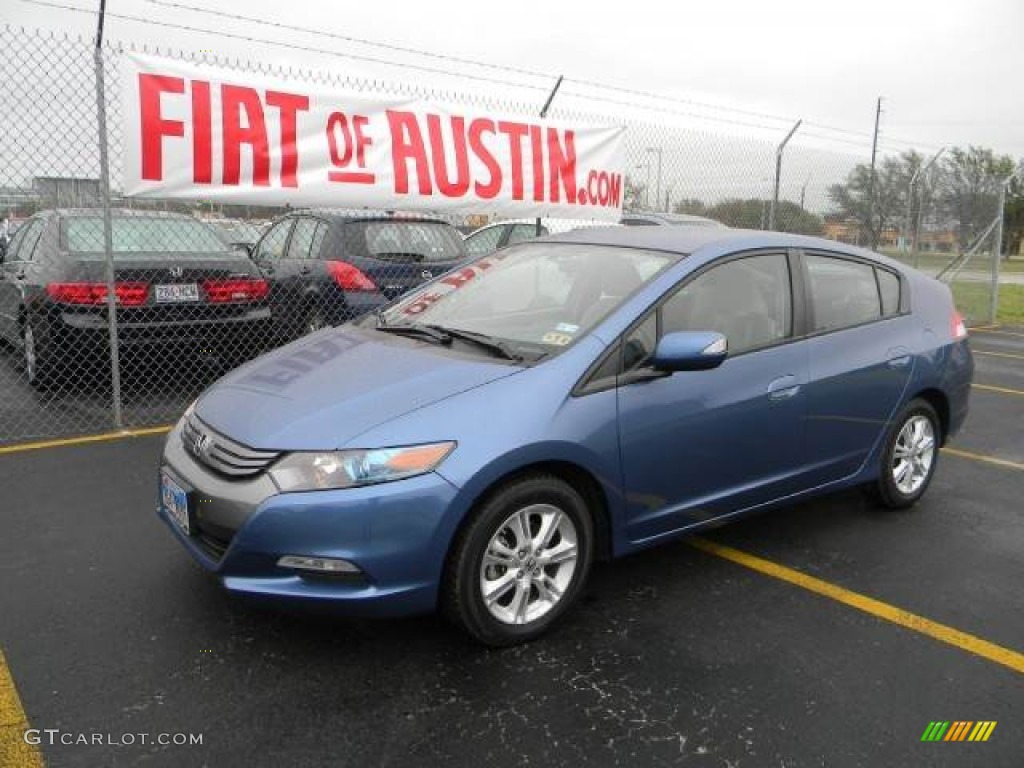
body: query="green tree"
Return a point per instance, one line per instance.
(1013, 224)
(692, 206)
(967, 190)
(752, 214)
(881, 205)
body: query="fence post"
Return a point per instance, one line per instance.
(998, 255)
(778, 173)
(543, 114)
(108, 245)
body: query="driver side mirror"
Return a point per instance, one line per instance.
(690, 351)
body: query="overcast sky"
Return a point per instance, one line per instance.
(948, 72)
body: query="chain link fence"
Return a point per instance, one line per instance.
(196, 287)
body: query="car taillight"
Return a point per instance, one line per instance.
(348, 277)
(235, 289)
(958, 325)
(95, 294)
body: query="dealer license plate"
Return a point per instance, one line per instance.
(176, 293)
(175, 501)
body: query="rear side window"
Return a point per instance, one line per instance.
(272, 244)
(25, 240)
(889, 286)
(843, 293)
(306, 239)
(484, 240)
(522, 232)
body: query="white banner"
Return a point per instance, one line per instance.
(197, 132)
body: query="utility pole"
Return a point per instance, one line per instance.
(803, 193)
(998, 245)
(872, 235)
(657, 192)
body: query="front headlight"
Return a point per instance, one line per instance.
(314, 471)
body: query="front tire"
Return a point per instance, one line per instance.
(909, 457)
(521, 561)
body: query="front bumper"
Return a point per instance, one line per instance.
(396, 533)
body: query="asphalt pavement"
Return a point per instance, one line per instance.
(675, 657)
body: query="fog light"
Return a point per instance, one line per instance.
(318, 564)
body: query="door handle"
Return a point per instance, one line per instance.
(897, 357)
(783, 388)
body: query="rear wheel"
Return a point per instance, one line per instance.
(909, 457)
(521, 562)
(37, 360)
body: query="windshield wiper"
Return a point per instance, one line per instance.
(429, 332)
(493, 345)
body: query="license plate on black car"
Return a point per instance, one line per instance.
(176, 293)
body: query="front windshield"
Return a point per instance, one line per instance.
(543, 295)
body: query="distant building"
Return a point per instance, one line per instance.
(67, 191)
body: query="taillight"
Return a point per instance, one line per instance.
(95, 294)
(348, 277)
(958, 325)
(235, 289)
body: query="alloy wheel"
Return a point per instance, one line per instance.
(913, 455)
(528, 564)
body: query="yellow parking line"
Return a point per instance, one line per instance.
(982, 328)
(997, 354)
(14, 752)
(983, 457)
(106, 436)
(941, 632)
(1003, 390)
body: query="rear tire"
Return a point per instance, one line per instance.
(37, 359)
(909, 456)
(520, 562)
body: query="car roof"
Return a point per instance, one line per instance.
(121, 213)
(683, 241)
(671, 218)
(355, 215)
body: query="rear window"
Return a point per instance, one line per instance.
(404, 241)
(141, 235)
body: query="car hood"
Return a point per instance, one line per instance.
(326, 389)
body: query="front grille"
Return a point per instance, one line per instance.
(221, 454)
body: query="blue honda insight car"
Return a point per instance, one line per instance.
(475, 445)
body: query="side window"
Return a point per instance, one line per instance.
(889, 286)
(521, 232)
(843, 292)
(639, 345)
(747, 300)
(300, 246)
(485, 241)
(25, 240)
(272, 244)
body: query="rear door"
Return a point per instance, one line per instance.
(860, 361)
(268, 253)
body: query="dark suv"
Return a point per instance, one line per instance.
(327, 267)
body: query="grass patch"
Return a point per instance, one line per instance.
(931, 263)
(973, 300)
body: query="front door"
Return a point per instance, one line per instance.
(698, 445)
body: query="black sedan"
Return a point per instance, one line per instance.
(176, 284)
(327, 267)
